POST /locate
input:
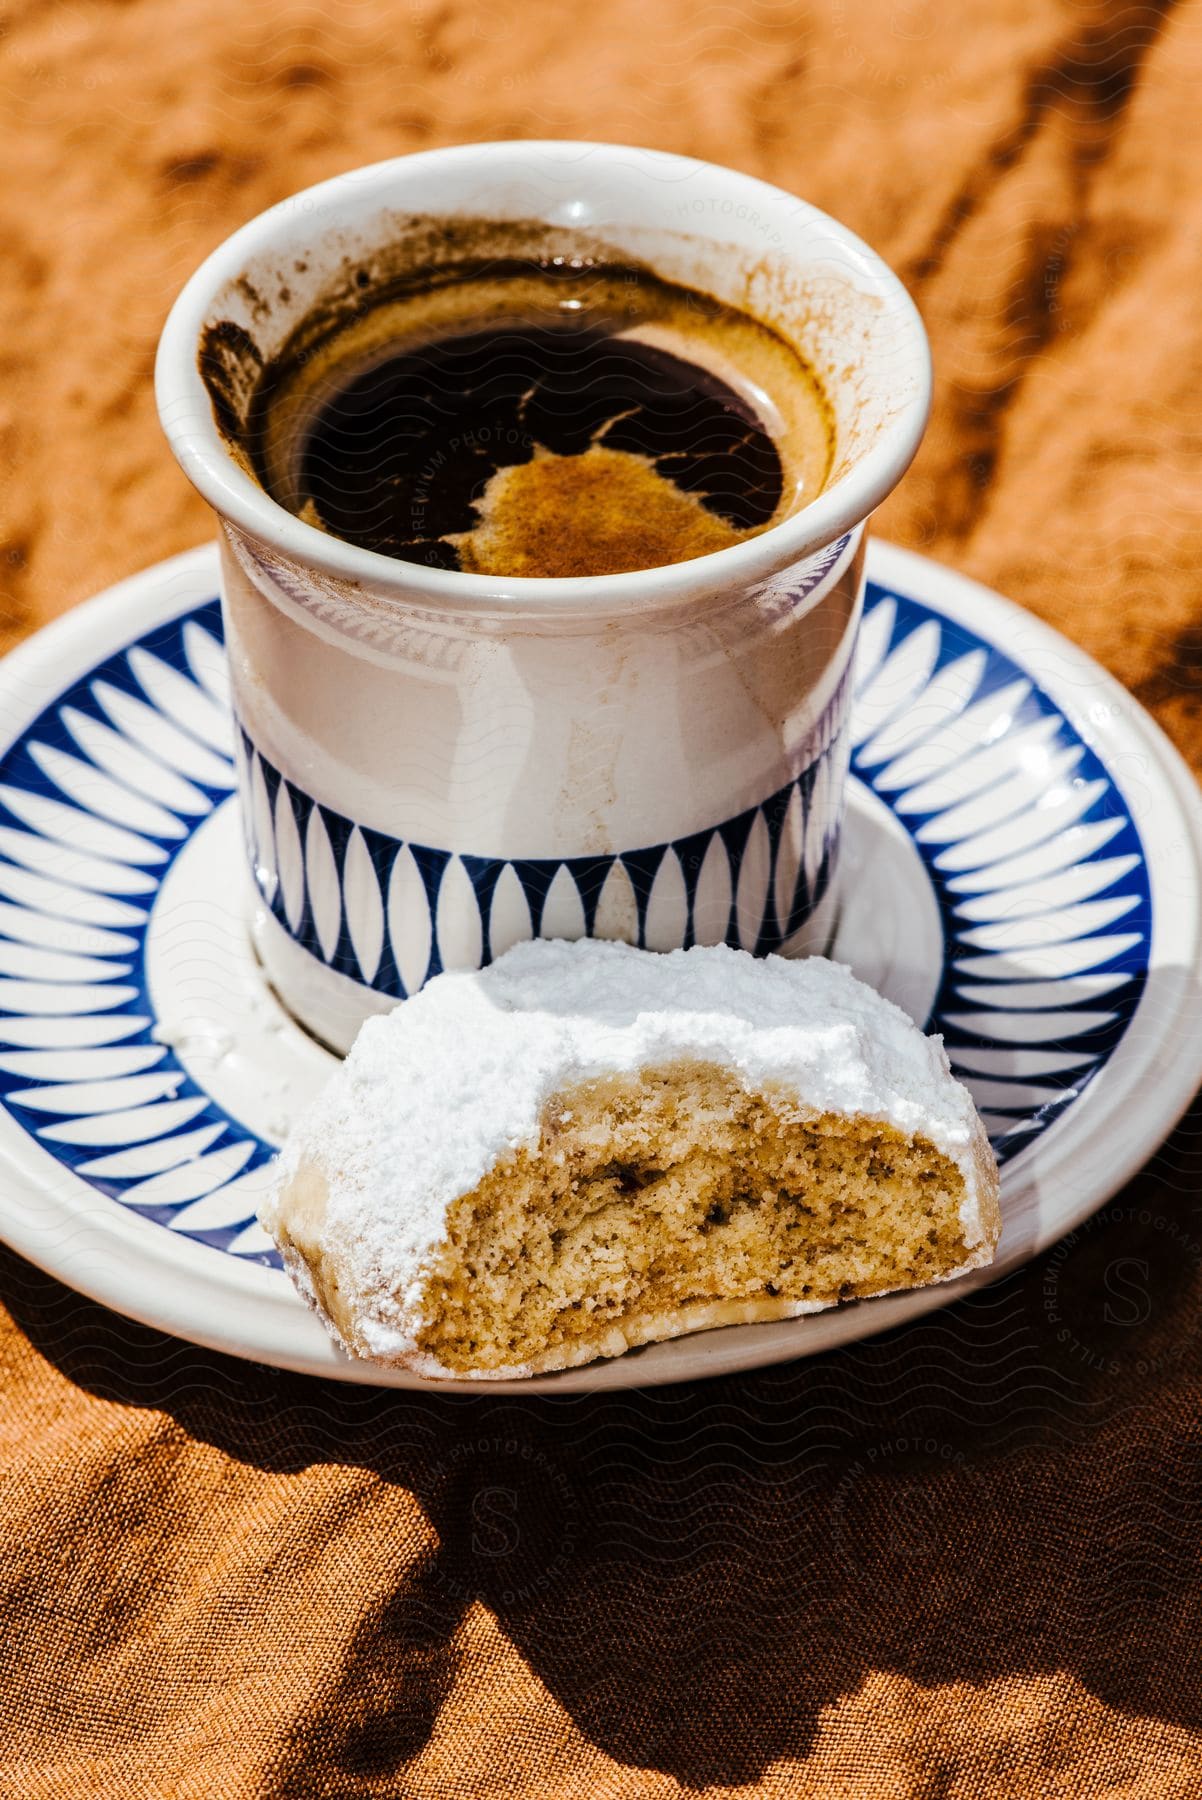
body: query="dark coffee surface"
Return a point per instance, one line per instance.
(554, 419)
(400, 459)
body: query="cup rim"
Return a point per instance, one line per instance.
(188, 421)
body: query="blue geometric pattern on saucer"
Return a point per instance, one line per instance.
(1035, 862)
(1036, 866)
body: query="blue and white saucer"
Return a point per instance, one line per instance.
(1020, 870)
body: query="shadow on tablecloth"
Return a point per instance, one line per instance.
(693, 1574)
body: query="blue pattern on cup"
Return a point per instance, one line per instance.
(767, 905)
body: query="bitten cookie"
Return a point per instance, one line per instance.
(585, 1147)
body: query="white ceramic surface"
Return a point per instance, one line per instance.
(471, 735)
(1021, 871)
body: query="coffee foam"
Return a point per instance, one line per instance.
(634, 518)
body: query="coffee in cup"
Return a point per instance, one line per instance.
(551, 416)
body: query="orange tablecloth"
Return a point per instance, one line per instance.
(958, 1562)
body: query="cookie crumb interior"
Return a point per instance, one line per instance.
(671, 1190)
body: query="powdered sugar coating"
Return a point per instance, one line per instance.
(434, 1094)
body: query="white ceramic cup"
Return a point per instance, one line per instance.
(436, 764)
